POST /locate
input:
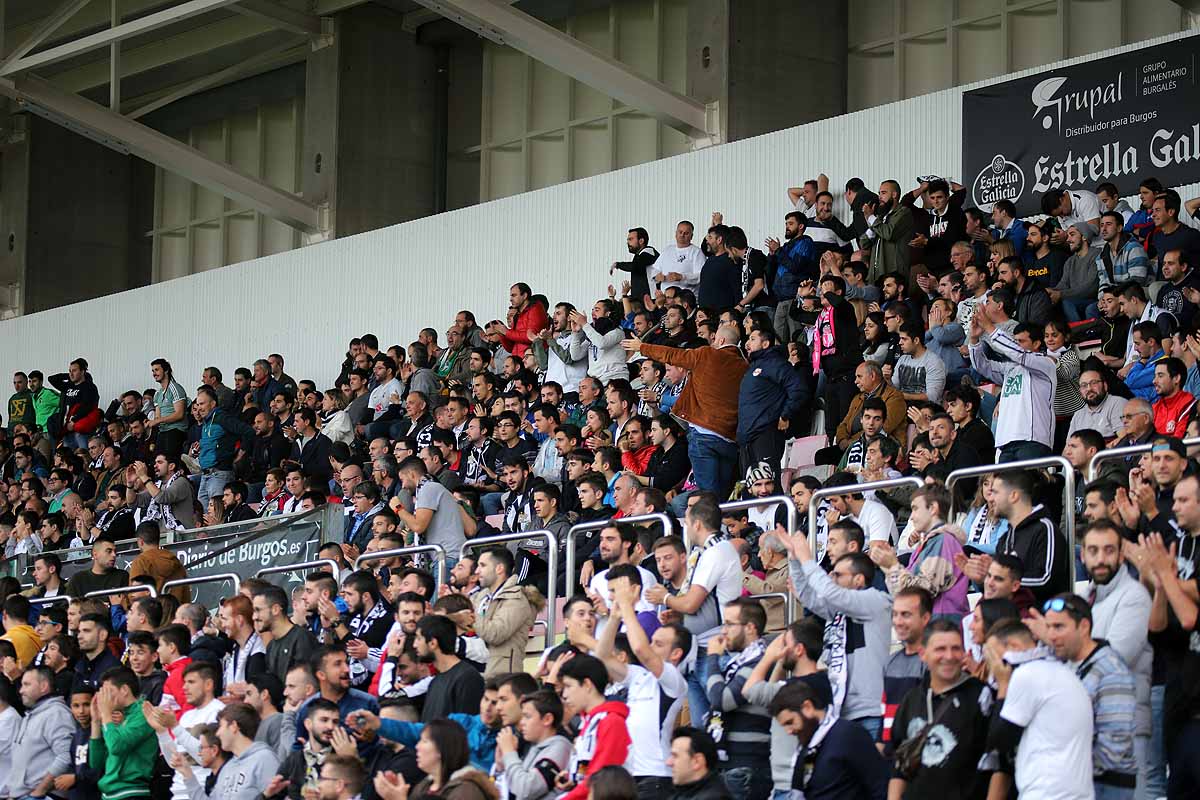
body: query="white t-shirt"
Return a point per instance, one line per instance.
(687, 262)
(719, 570)
(1054, 759)
(599, 585)
(186, 742)
(654, 705)
(380, 399)
(878, 524)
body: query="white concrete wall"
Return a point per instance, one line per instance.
(308, 303)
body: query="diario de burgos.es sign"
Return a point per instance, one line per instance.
(1119, 119)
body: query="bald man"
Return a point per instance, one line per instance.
(709, 402)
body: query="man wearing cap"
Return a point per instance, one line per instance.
(1077, 287)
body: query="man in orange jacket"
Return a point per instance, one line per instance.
(709, 403)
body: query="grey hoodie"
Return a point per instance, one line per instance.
(242, 778)
(532, 777)
(864, 639)
(42, 745)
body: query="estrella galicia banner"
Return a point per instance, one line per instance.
(1119, 119)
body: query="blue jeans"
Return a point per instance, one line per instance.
(1155, 773)
(714, 461)
(872, 725)
(1076, 311)
(491, 503)
(697, 681)
(1106, 792)
(748, 783)
(212, 484)
(1021, 451)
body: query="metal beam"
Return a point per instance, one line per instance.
(423, 16)
(44, 29)
(104, 38)
(281, 16)
(289, 52)
(505, 25)
(161, 52)
(126, 136)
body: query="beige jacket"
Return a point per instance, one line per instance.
(504, 626)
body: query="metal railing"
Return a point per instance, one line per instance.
(1121, 452)
(334, 569)
(792, 520)
(1032, 463)
(599, 524)
(551, 565)
(136, 589)
(438, 551)
(789, 611)
(45, 601)
(853, 488)
(219, 577)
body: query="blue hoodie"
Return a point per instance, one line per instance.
(793, 262)
(771, 390)
(480, 738)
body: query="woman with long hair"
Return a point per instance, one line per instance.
(335, 422)
(1067, 399)
(875, 338)
(443, 754)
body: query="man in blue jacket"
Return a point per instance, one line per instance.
(789, 264)
(771, 395)
(220, 432)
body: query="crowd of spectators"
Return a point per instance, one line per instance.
(942, 648)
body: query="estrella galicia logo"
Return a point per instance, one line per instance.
(1001, 179)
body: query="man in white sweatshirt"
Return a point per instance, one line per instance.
(1028, 378)
(679, 265)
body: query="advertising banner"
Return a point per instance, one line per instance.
(1119, 119)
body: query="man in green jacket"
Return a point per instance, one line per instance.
(45, 400)
(20, 404)
(124, 751)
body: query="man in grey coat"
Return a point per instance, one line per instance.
(249, 771)
(1080, 282)
(41, 750)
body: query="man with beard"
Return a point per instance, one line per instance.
(675, 331)
(1046, 267)
(1179, 295)
(1121, 259)
(365, 633)
(949, 758)
(299, 771)
(720, 279)
(753, 266)
(290, 644)
(457, 687)
(976, 281)
(1076, 289)
(769, 398)
(637, 241)
(836, 758)
(790, 264)
(830, 235)
(741, 728)
(1101, 411)
(1031, 536)
(1121, 609)
(617, 542)
(332, 671)
(889, 231)
(1033, 304)
(564, 350)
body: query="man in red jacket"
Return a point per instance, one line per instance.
(525, 320)
(603, 739)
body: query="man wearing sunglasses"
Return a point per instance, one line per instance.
(1067, 627)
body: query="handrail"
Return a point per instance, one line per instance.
(600, 524)
(141, 587)
(218, 577)
(436, 549)
(758, 502)
(551, 565)
(788, 610)
(45, 601)
(334, 569)
(1033, 463)
(212, 531)
(1121, 452)
(853, 488)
